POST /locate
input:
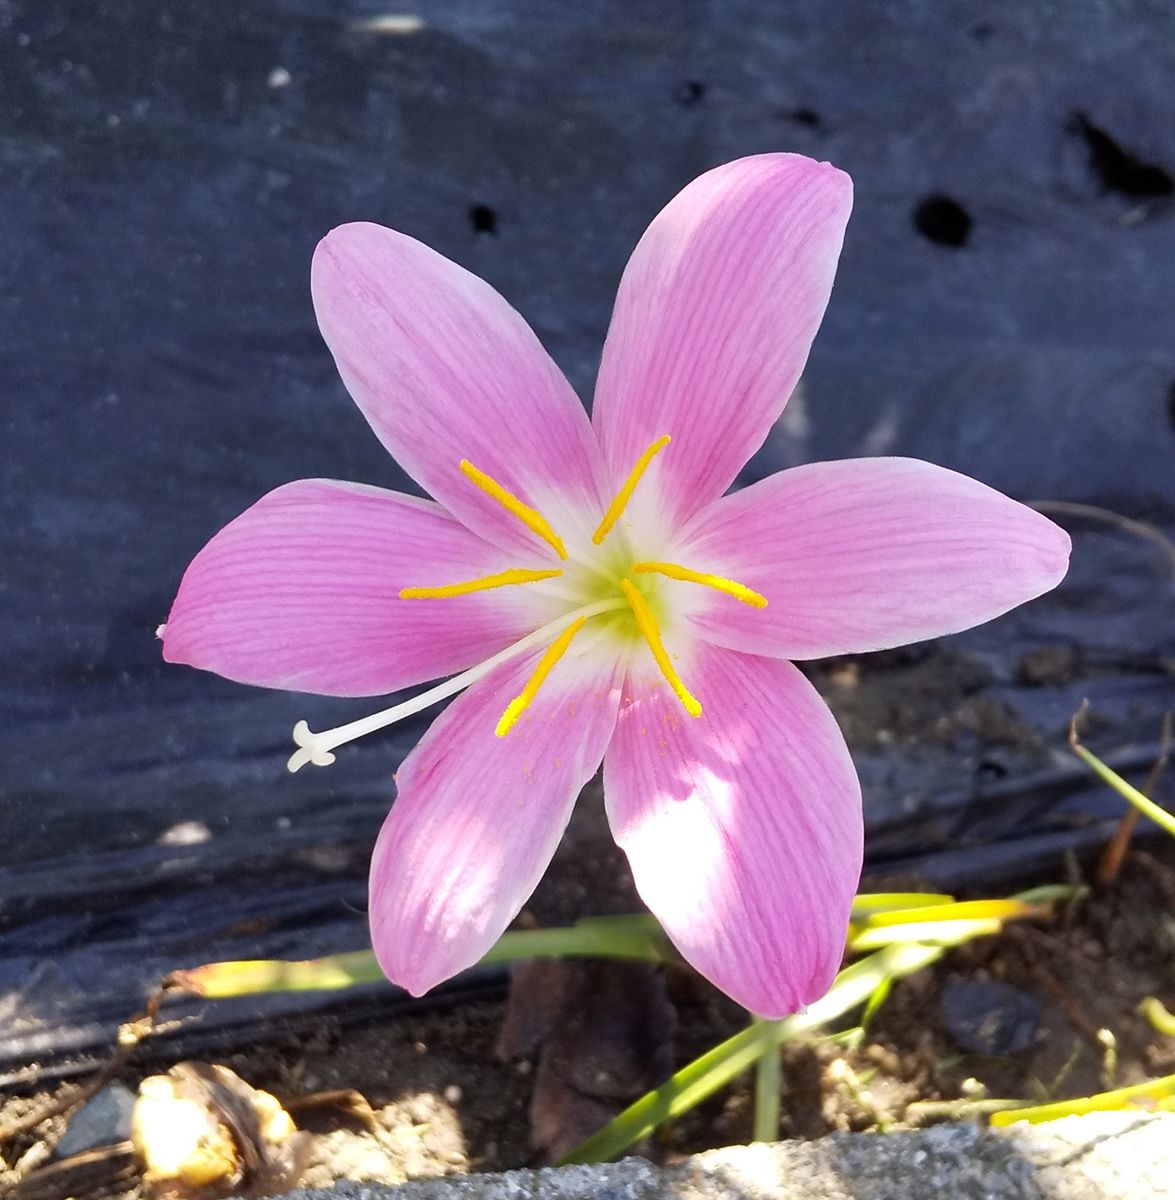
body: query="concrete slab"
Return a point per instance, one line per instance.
(1097, 1157)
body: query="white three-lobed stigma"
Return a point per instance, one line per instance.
(316, 748)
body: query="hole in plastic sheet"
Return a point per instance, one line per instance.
(1118, 169)
(989, 770)
(483, 219)
(693, 91)
(808, 117)
(943, 220)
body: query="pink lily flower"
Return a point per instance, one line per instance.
(599, 596)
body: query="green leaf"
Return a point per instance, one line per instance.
(854, 985)
(871, 902)
(717, 1067)
(632, 937)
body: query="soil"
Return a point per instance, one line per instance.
(512, 1082)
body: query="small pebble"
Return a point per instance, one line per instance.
(989, 1016)
(185, 833)
(32, 1158)
(1048, 666)
(453, 1094)
(103, 1121)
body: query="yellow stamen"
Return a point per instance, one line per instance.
(625, 494)
(530, 517)
(672, 571)
(523, 700)
(647, 624)
(502, 579)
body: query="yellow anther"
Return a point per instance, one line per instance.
(524, 699)
(530, 517)
(625, 494)
(647, 624)
(672, 571)
(502, 579)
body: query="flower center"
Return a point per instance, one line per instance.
(611, 586)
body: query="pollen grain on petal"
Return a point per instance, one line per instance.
(647, 624)
(483, 584)
(622, 497)
(525, 698)
(530, 517)
(719, 582)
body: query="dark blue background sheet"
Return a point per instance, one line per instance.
(1004, 307)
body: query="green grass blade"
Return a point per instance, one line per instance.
(879, 997)
(1155, 1093)
(1155, 1011)
(1144, 804)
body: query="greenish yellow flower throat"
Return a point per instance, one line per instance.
(630, 596)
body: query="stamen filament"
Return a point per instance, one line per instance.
(616, 508)
(484, 584)
(647, 624)
(672, 571)
(316, 747)
(556, 592)
(530, 517)
(524, 699)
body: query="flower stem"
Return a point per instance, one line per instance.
(768, 1081)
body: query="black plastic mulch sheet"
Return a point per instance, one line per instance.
(1004, 307)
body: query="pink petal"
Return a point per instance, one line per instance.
(714, 318)
(444, 370)
(302, 592)
(477, 817)
(742, 826)
(866, 554)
